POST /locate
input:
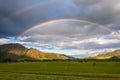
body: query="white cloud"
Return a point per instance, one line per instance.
(71, 35)
(3, 41)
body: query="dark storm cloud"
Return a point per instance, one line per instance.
(13, 21)
(102, 11)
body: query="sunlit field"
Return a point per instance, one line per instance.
(60, 71)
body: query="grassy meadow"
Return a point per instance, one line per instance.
(61, 70)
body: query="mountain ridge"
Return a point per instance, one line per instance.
(110, 55)
(17, 52)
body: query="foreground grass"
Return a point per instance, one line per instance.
(19, 76)
(60, 71)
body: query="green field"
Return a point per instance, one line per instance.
(60, 71)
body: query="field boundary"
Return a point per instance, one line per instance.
(87, 75)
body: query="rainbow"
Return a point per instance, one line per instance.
(27, 9)
(63, 20)
(20, 12)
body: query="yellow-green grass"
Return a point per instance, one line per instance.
(60, 71)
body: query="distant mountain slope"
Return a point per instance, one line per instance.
(39, 55)
(12, 48)
(19, 52)
(70, 57)
(110, 55)
(11, 51)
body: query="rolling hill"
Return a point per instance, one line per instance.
(110, 55)
(17, 52)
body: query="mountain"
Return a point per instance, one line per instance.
(110, 55)
(69, 57)
(17, 52)
(39, 55)
(11, 51)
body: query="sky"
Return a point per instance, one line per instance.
(80, 28)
